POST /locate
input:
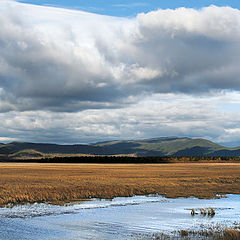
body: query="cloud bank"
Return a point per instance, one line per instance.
(159, 115)
(57, 62)
(65, 60)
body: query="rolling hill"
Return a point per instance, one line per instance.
(164, 146)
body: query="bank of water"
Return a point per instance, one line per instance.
(120, 218)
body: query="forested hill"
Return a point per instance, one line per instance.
(164, 146)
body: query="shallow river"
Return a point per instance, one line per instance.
(120, 218)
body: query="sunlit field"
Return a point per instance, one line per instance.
(59, 183)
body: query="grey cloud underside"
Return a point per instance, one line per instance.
(171, 115)
(63, 60)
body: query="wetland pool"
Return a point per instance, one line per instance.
(119, 218)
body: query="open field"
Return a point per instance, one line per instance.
(58, 183)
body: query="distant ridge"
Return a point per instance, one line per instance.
(163, 146)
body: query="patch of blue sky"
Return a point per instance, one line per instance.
(130, 7)
(230, 107)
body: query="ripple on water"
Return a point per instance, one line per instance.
(119, 218)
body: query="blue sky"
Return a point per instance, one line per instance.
(131, 7)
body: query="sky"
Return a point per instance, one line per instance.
(77, 72)
(130, 7)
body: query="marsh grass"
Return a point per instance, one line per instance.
(211, 233)
(231, 234)
(60, 183)
(210, 212)
(224, 234)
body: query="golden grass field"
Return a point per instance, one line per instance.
(58, 183)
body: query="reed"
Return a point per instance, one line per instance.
(210, 212)
(231, 234)
(59, 183)
(214, 233)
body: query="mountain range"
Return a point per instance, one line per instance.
(163, 146)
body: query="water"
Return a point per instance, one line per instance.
(120, 218)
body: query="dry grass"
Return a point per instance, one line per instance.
(216, 234)
(209, 234)
(71, 182)
(231, 234)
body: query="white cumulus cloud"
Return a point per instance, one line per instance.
(58, 66)
(65, 60)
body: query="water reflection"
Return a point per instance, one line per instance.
(121, 218)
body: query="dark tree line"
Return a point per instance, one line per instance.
(124, 159)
